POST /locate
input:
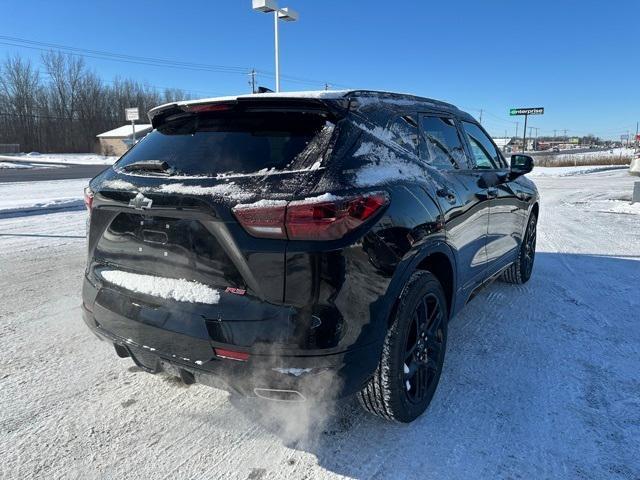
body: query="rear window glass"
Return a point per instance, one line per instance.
(209, 144)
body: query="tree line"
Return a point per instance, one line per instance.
(64, 105)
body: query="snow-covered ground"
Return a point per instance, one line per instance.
(540, 380)
(31, 197)
(71, 158)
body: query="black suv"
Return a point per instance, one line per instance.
(304, 245)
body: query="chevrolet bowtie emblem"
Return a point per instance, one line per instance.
(140, 202)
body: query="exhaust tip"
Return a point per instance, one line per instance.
(121, 351)
(187, 377)
(278, 395)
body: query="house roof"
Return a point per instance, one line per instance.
(126, 131)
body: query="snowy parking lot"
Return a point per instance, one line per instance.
(540, 380)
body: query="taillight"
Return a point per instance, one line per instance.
(231, 354)
(210, 107)
(262, 219)
(330, 220)
(323, 218)
(88, 199)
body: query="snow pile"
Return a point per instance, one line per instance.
(616, 206)
(25, 197)
(66, 158)
(180, 290)
(571, 171)
(15, 165)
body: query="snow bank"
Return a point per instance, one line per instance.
(70, 158)
(180, 290)
(572, 171)
(15, 165)
(25, 197)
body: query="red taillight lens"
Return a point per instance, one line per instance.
(262, 220)
(330, 220)
(210, 107)
(88, 199)
(323, 218)
(231, 354)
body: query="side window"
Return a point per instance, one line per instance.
(404, 132)
(440, 144)
(485, 154)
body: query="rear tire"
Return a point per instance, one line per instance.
(413, 353)
(520, 271)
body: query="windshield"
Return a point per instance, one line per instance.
(230, 142)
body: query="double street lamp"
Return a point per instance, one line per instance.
(286, 14)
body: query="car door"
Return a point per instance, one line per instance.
(505, 212)
(466, 215)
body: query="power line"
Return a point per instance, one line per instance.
(148, 61)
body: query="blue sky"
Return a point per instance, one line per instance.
(578, 59)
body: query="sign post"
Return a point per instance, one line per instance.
(526, 112)
(132, 115)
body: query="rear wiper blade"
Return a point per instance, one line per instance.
(149, 166)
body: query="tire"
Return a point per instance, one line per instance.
(520, 271)
(409, 370)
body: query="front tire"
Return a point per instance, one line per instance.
(413, 353)
(520, 271)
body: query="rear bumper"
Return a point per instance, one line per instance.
(327, 376)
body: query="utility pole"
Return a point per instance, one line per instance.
(480, 116)
(524, 134)
(635, 140)
(565, 134)
(252, 82)
(326, 86)
(531, 136)
(554, 134)
(517, 123)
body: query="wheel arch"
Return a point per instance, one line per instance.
(436, 257)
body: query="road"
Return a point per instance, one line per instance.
(540, 381)
(59, 171)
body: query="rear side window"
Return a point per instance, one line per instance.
(485, 154)
(404, 131)
(440, 144)
(225, 142)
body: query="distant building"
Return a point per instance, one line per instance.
(119, 140)
(504, 143)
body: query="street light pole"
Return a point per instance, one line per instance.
(285, 14)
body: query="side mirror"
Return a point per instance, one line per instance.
(520, 165)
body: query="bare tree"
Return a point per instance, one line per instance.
(65, 111)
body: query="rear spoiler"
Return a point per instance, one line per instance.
(336, 107)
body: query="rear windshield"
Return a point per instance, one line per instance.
(230, 142)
